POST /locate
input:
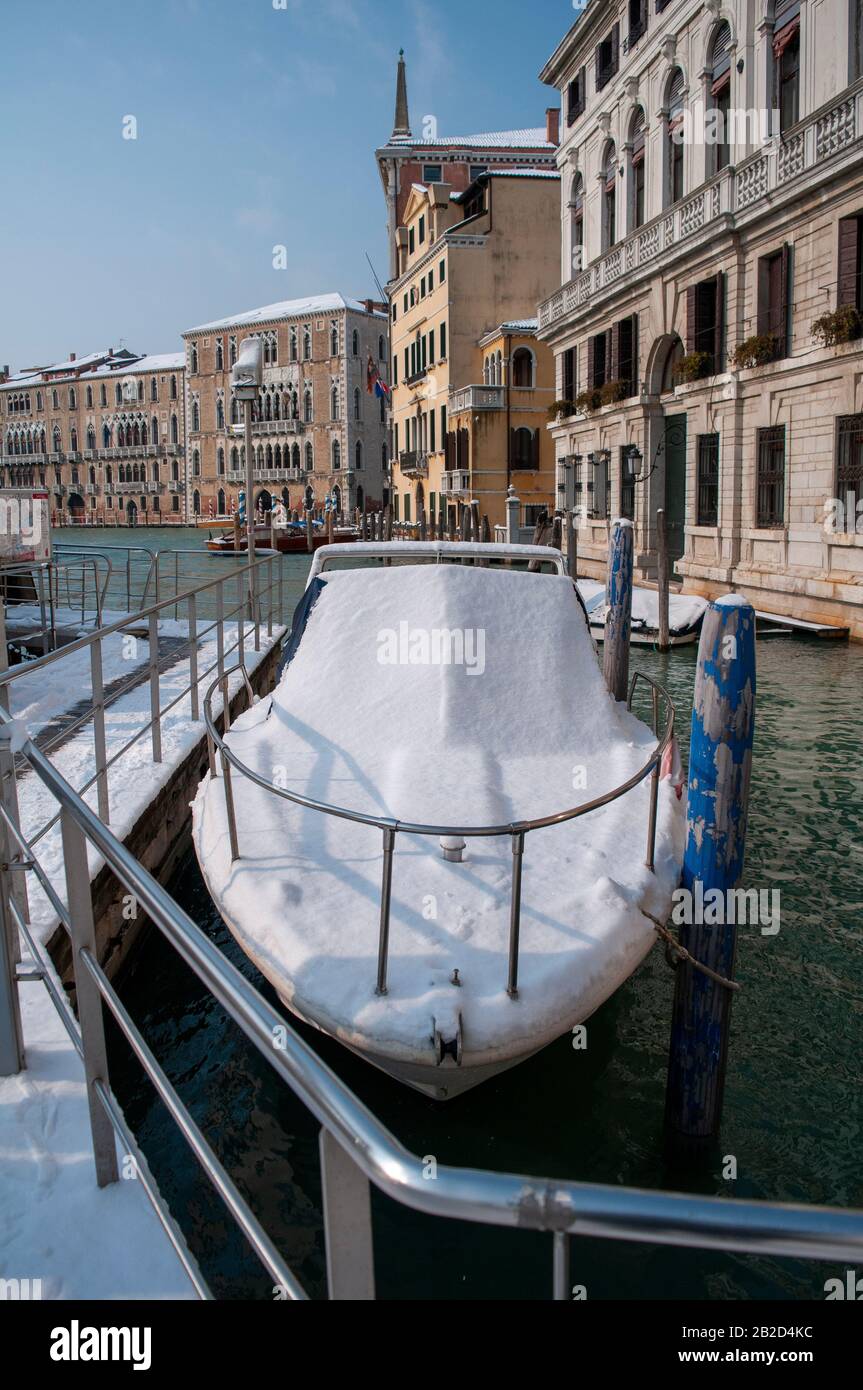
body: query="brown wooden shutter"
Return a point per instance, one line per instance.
(598, 65)
(612, 353)
(719, 325)
(591, 363)
(635, 386)
(690, 318)
(784, 322)
(763, 320)
(534, 448)
(615, 47)
(849, 241)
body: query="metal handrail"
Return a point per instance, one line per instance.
(372, 1153)
(517, 830)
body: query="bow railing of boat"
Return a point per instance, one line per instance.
(390, 827)
(356, 1148)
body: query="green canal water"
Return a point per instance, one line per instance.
(792, 1116)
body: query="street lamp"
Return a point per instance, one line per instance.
(247, 375)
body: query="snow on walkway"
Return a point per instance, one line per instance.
(56, 1225)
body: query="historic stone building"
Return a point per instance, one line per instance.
(708, 329)
(103, 434)
(456, 160)
(317, 432)
(471, 385)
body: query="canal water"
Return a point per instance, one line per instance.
(792, 1121)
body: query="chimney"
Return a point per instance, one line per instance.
(552, 125)
(71, 357)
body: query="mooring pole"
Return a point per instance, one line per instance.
(615, 657)
(662, 578)
(512, 506)
(720, 760)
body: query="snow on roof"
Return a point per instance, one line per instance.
(508, 174)
(96, 365)
(286, 309)
(151, 362)
(521, 325)
(303, 898)
(535, 138)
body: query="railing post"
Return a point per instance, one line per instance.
(220, 628)
(347, 1224)
(270, 597)
(256, 610)
(654, 790)
(98, 690)
(561, 1266)
(241, 627)
(193, 656)
(386, 893)
(515, 913)
(88, 997)
(11, 1035)
(155, 698)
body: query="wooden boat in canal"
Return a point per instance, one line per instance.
(685, 612)
(439, 852)
(287, 540)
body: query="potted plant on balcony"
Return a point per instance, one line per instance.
(693, 366)
(612, 391)
(559, 410)
(840, 326)
(586, 401)
(756, 351)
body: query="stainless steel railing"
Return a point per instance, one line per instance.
(389, 827)
(356, 1148)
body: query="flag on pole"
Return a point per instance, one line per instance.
(375, 384)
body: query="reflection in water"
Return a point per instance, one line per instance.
(792, 1120)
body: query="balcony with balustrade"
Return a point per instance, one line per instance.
(473, 398)
(812, 151)
(413, 463)
(455, 483)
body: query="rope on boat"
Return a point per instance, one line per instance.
(673, 945)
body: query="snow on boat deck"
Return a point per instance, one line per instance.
(523, 737)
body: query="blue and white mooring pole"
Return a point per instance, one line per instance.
(618, 620)
(720, 762)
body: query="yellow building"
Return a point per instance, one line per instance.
(470, 264)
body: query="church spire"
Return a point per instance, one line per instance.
(402, 125)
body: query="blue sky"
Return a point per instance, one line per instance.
(256, 127)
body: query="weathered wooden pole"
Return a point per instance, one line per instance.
(330, 526)
(474, 521)
(571, 544)
(237, 532)
(423, 526)
(485, 530)
(720, 761)
(451, 522)
(662, 578)
(310, 531)
(465, 523)
(388, 524)
(618, 596)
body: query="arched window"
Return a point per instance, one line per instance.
(220, 414)
(718, 100)
(89, 396)
(576, 208)
(786, 62)
(175, 430)
(269, 457)
(196, 464)
(674, 135)
(522, 368)
(220, 503)
(154, 389)
(310, 456)
(334, 402)
(92, 475)
(384, 460)
(358, 454)
(355, 343)
(106, 436)
(235, 460)
(268, 406)
(235, 411)
(73, 402)
(91, 437)
(140, 390)
(193, 358)
(293, 347)
(525, 449)
(73, 440)
(336, 454)
(109, 475)
(307, 406)
(118, 394)
(609, 197)
(277, 406)
(382, 349)
(173, 388)
(357, 409)
(154, 430)
(220, 462)
(220, 355)
(307, 343)
(196, 417)
(636, 171)
(334, 340)
(196, 502)
(277, 457)
(58, 443)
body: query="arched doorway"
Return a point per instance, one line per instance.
(286, 499)
(421, 499)
(76, 507)
(264, 501)
(310, 498)
(132, 512)
(337, 500)
(221, 502)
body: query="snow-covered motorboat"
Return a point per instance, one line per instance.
(685, 612)
(436, 837)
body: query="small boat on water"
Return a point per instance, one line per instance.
(685, 612)
(435, 842)
(290, 539)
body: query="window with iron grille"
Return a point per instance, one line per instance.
(771, 477)
(849, 467)
(627, 484)
(708, 480)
